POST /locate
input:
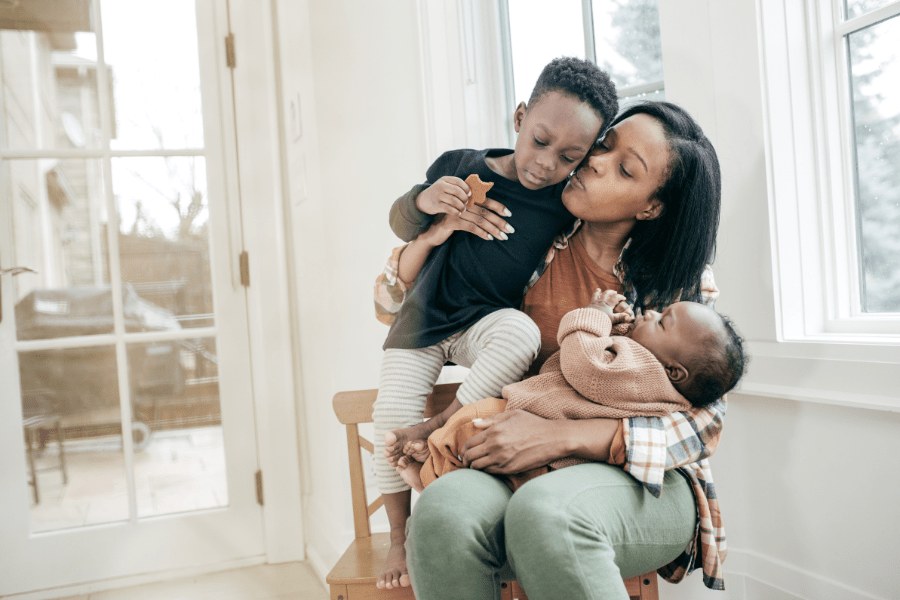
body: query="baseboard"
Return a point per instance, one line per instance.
(84, 589)
(749, 575)
(323, 545)
(794, 582)
(319, 566)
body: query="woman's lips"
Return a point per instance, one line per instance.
(576, 181)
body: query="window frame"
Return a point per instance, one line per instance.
(811, 156)
(590, 54)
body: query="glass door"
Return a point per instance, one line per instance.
(127, 440)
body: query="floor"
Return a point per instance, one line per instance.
(179, 470)
(291, 581)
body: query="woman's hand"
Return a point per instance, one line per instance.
(513, 441)
(483, 221)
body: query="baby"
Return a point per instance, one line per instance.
(687, 356)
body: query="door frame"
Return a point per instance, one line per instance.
(259, 125)
(250, 140)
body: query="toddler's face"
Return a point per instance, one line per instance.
(675, 335)
(555, 134)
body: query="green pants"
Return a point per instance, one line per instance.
(573, 533)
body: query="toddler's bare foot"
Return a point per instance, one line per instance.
(409, 471)
(394, 574)
(417, 450)
(395, 442)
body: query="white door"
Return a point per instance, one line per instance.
(117, 191)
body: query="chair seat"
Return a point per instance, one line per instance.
(357, 571)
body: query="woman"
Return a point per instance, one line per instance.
(647, 199)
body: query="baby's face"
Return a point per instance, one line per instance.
(675, 335)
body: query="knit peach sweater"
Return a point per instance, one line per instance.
(595, 375)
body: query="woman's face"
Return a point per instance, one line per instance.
(619, 179)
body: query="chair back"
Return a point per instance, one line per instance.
(353, 408)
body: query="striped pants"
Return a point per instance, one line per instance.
(498, 349)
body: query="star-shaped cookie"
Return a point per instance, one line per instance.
(479, 190)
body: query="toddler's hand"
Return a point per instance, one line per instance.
(613, 304)
(447, 198)
(446, 195)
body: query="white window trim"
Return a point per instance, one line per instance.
(464, 87)
(811, 181)
(467, 81)
(824, 350)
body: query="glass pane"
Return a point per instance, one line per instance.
(176, 387)
(541, 31)
(73, 437)
(626, 38)
(48, 58)
(875, 70)
(151, 49)
(856, 8)
(164, 238)
(657, 96)
(59, 222)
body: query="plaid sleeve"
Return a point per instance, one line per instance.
(653, 445)
(390, 289)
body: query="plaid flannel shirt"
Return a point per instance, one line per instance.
(653, 445)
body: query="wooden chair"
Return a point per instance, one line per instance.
(354, 575)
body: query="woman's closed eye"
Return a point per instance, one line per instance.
(624, 172)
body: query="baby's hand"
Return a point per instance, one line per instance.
(613, 304)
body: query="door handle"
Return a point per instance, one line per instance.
(12, 271)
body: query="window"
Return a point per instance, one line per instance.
(873, 71)
(622, 36)
(834, 145)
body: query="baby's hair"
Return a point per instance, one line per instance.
(718, 368)
(581, 79)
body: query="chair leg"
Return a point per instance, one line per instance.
(62, 452)
(29, 440)
(649, 587)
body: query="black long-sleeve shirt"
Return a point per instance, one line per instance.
(467, 278)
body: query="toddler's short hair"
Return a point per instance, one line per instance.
(581, 79)
(719, 366)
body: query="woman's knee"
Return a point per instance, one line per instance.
(457, 508)
(534, 509)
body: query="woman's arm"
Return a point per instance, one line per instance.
(515, 441)
(414, 213)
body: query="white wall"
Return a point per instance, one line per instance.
(809, 507)
(809, 491)
(363, 145)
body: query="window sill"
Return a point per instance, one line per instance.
(850, 372)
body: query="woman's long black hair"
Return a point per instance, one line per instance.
(666, 256)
